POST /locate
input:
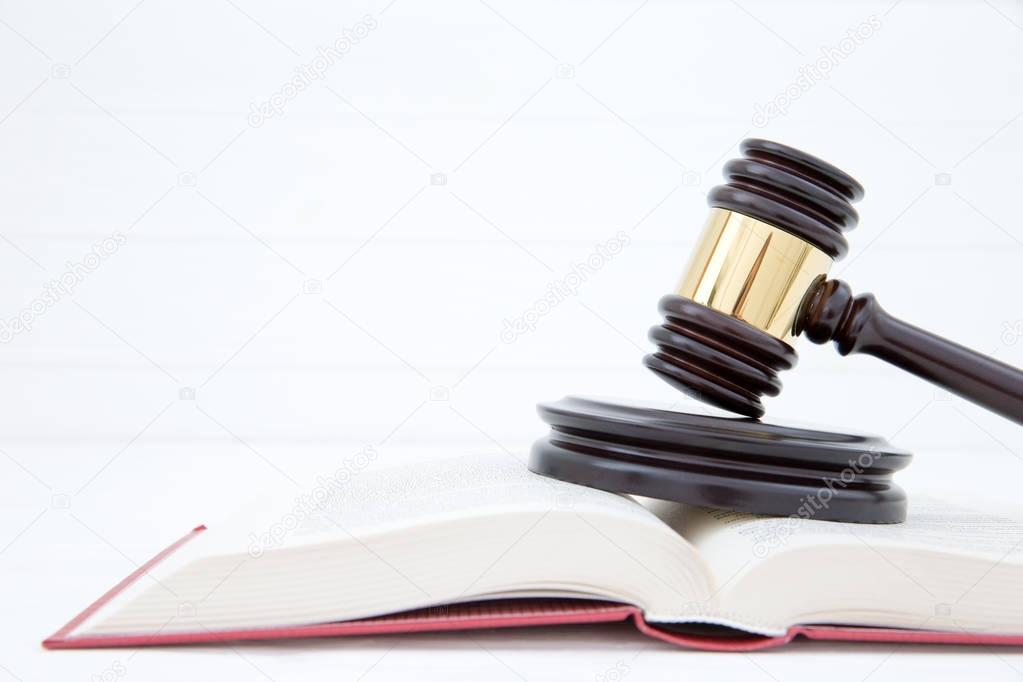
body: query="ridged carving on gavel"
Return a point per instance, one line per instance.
(758, 278)
(718, 359)
(792, 190)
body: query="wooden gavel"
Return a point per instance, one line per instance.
(758, 279)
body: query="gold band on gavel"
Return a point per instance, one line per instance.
(751, 270)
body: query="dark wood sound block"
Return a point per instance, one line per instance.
(731, 463)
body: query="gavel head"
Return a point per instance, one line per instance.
(774, 230)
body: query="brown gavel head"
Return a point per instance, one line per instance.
(756, 278)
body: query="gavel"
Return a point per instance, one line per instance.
(758, 279)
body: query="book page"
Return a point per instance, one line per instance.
(408, 496)
(773, 572)
(731, 541)
(393, 517)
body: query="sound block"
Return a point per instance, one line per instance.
(731, 463)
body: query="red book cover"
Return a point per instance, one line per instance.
(495, 614)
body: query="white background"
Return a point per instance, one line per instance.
(552, 126)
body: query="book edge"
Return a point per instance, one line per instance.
(521, 615)
(64, 633)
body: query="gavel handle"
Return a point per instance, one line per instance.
(859, 324)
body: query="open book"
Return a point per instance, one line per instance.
(482, 542)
